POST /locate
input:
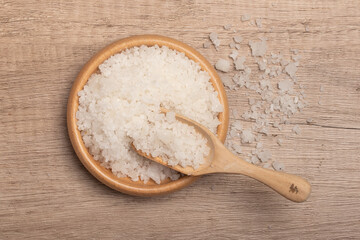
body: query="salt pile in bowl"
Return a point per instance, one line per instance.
(175, 142)
(121, 105)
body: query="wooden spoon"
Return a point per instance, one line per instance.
(221, 160)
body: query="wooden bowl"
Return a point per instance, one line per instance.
(124, 184)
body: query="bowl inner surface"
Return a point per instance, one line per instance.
(125, 184)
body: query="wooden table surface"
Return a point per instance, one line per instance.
(46, 193)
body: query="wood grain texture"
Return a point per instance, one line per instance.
(46, 193)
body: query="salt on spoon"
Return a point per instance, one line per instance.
(221, 160)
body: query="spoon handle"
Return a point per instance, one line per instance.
(290, 186)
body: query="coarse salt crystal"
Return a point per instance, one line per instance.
(236, 125)
(206, 44)
(285, 85)
(258, 22)
(223, 65)
(239, 63)
(227, 27)
(258, 48)
(247, 136)
(245, 17)
(262, 64)
(296, 129)
(214, 39)
(264, 156)
(278, 166)
(291, 69)
(234, 54)
(237, 39)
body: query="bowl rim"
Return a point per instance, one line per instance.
(124, 184)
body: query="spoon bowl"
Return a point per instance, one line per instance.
(221, 160)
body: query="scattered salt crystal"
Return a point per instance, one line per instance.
(247, 136)
(206, 44)
(279, 142)
(258, 48)
(237, 46)
(254, 159)
(228, 82)
(284, 62)
(295, 51)
(264, 130)
(242, 78)
(291, 69)
(296, 58)
(321, 88)
(235, 113)
(296, 99)
(237, 125)
(267, 71)
(278, 166)
(285, 85)
(223, 65)
(262, 64)
(237, 39)
(258, 22)
(227, 27)
(239, 63)
(234, 54)
(264, 156)
(251, 101)
(233, 133)
(245, 17)
(265, 84)
(232, 45)
(296, 129)
(309, 120)
(214, 39)
(273, 73)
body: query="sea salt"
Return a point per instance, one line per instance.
(120, 105)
